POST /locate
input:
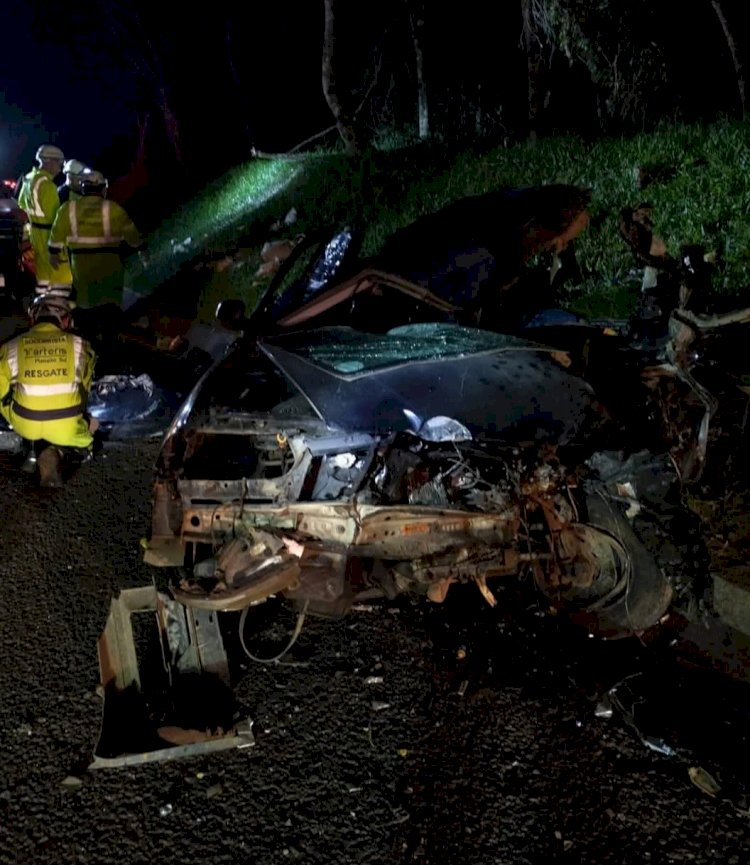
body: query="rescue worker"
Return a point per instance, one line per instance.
(45, 378)
(94, 231)
(40, 200)
(73, 169)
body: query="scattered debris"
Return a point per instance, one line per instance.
(658, 745)
(274, 252)
(182, 246)
(214, 791)
(138, 727)
(705, 782)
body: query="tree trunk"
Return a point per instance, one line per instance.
(344, 122)
(237, 81)
(479, 114)
(423, 114)
(732, 50)
(535, 68)
(171, 125)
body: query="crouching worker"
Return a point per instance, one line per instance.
(45, 377)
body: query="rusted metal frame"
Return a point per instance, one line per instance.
(551, 573)
(194, 644)
(397, 532)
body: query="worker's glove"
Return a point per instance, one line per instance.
(54, 259)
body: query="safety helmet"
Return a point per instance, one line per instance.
(73, 166)
(92, 181)
(49, 306)
(230, 312)
(49, 151)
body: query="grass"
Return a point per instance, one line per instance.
(703, 198)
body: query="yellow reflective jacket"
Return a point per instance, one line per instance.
(39, 198)
(45, 378)
(92, 224)
(41, 201)
(93, 230)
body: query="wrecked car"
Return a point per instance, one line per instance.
(334, 465)
(374, 441)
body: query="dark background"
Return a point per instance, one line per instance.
(203, 87)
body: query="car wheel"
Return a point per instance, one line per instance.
(606, 579)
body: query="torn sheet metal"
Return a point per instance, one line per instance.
(178, 708)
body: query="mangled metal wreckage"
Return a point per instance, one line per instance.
(332, 466)
(337, 464)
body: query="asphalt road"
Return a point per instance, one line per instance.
(475, 748)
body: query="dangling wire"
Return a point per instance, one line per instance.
(297, 632)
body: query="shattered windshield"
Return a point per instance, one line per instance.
(349, 352)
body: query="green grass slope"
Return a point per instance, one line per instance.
(701, 194)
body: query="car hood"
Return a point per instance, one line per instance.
(492, 383)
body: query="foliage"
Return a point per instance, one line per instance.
(615, 41)
(703, 197)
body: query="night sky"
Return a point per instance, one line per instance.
(54, 99)
(83, 92)
(74, 74)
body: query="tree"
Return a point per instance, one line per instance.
(130, 38)
(616, 41)
(717, 7)
(532, 30)
(345, 122)
(416, 23)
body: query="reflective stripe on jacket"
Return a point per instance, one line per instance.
(49, 373)
(39, 198)
(92, 224)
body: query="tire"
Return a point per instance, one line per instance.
(631, 592)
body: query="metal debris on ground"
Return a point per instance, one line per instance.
(658, 745)
(705, 782)
(192, 712)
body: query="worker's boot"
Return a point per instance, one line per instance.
(49, 461)
(29, 464)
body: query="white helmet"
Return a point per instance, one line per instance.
(49, 305)
(92, 181)
(73, 166)
(49, 151)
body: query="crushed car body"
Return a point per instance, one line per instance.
(320, 465)
(365, 438)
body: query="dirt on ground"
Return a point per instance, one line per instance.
(405, 733)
